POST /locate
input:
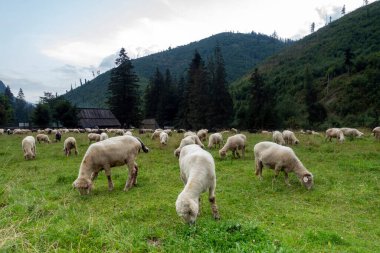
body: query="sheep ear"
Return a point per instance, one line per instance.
(305, 179)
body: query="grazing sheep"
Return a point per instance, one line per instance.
(93, 137)
(289, 137)
(351, 132)
(197, 170)
(58, 136)
(106, 154)
(1, 131)
(234, 130)
(335, 133)
(376, 132)
(156, 133)
(69, 144)
(214, 139)
(43, 138)
(234, 143)
(202, 134)
(169, 132)
(278, 138)
(164, 137)
(103, 136)
(280, 158)
(192, 139)
(128, 133)
(29, 147)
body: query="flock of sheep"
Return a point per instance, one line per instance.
(197, 166)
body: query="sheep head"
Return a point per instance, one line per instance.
(307, 181)
(29, 156)
(222, 153)
(187, 209)
(83, 185)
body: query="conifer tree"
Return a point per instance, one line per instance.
(220, 101)
(123, 99)
(152, 94)
(197, 93)
(21, 113)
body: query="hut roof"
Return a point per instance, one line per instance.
(91, 117)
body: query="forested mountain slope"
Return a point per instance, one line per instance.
(241, 52)
(337, 66)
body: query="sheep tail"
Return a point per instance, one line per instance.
(144, 148)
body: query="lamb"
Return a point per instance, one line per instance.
(289, 137)
(214, 139)
(93, 137)
(164, 137)
(43, 138)
(335, 133)
(29, 147)
(234, 143)
(197, 170)
(280, 158)
(352, 132)
(278, 138)
(69, 144)
(192, 139)
(106, 154)
(103, 136)
(376, 132)
(202, 134)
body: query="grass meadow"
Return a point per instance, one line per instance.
(41, 212)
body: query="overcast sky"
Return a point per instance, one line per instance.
(47, 45)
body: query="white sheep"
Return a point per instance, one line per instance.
(188, 133)
(214, 139)
(69, 144)
(234, 143)
(43, 138)
(351, 132)
(202, 134)
(128, 133)
(106, 154)
(191, 139)
(278, 138)
(289, 137)
(197, 170)
(280, 158)
(103, 136)
(29, 147)
(93, 137)
(376, 132)
(164, 137)
(335, 133)
(156, 133)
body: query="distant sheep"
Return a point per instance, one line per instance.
(164, 137)
(106, 154)
(156, 134)
(128, 133)
(280, 158)
(278, 138)
(197, 170)
(188, 133)
(69, 144)
(376, 132)
(215, 139)
(58, 136)
(202, 134)
(93, 137)
(234, 143)
(29, 147)
(192, 139)
(42, 138)
(335, 133)
(290, 138)
(103, 136)
(351, 132)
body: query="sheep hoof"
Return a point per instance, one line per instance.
(216, 216)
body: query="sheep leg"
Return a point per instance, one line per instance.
(243, 151)
(276, 172)
(287, 179)
(214, 207)
(237, 153)
(199, 206)
(131, 168)
(135, 172)
(94, 175)
(107, 171)
(259, 169)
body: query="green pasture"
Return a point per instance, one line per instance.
(41, 212)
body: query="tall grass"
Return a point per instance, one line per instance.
(41, 212)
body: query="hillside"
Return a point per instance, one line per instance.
(241, 52)
(343, 58)
(2, 87)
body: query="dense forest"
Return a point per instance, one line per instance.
(241, 53)
(329, 78)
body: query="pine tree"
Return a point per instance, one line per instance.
(220, 101)
(312, 27)
(197, 93)
(5, 110)
(41, 115)
(123, 99)
(153, 95)
(21, 113)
